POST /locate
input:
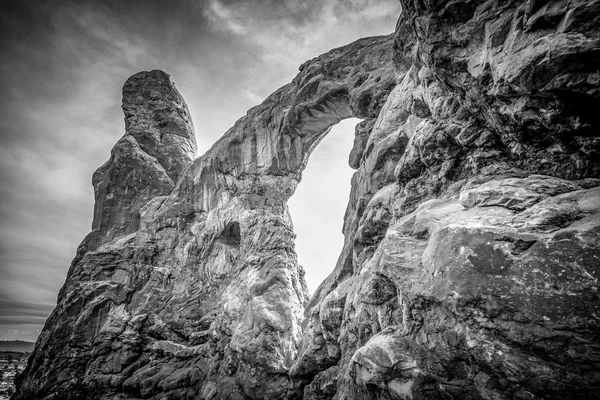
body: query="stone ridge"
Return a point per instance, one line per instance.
(471, 258)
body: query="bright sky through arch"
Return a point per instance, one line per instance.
(319, 203)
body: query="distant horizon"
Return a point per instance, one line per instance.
(15, 341)
(16, 346)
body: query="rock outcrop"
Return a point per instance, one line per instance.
(472, 235)
(472, 254)
(159, 141)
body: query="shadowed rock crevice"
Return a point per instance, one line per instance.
(230, 235)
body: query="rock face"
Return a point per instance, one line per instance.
(472, 235)
(159, 141)
(472, 255)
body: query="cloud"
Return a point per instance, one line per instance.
(223, 18)
(22, 320)
(287, 33)
(16, 309)
(253, 97)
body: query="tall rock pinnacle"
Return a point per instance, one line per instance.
(159, 141)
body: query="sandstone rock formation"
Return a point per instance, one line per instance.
(146, 162)
(472, 254)
(472, 235)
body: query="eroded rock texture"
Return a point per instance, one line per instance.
(472, 255)
(472, 235)
(146, 162)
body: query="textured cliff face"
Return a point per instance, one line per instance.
(472, 259)
(472, 236)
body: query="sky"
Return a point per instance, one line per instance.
(62, 68)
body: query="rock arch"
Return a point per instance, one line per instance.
(247, 178)
(232, 312)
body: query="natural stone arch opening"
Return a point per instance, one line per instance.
(320, 201)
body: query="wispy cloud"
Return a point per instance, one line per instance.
(16, 309)
(22, 320)
(287, 33)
